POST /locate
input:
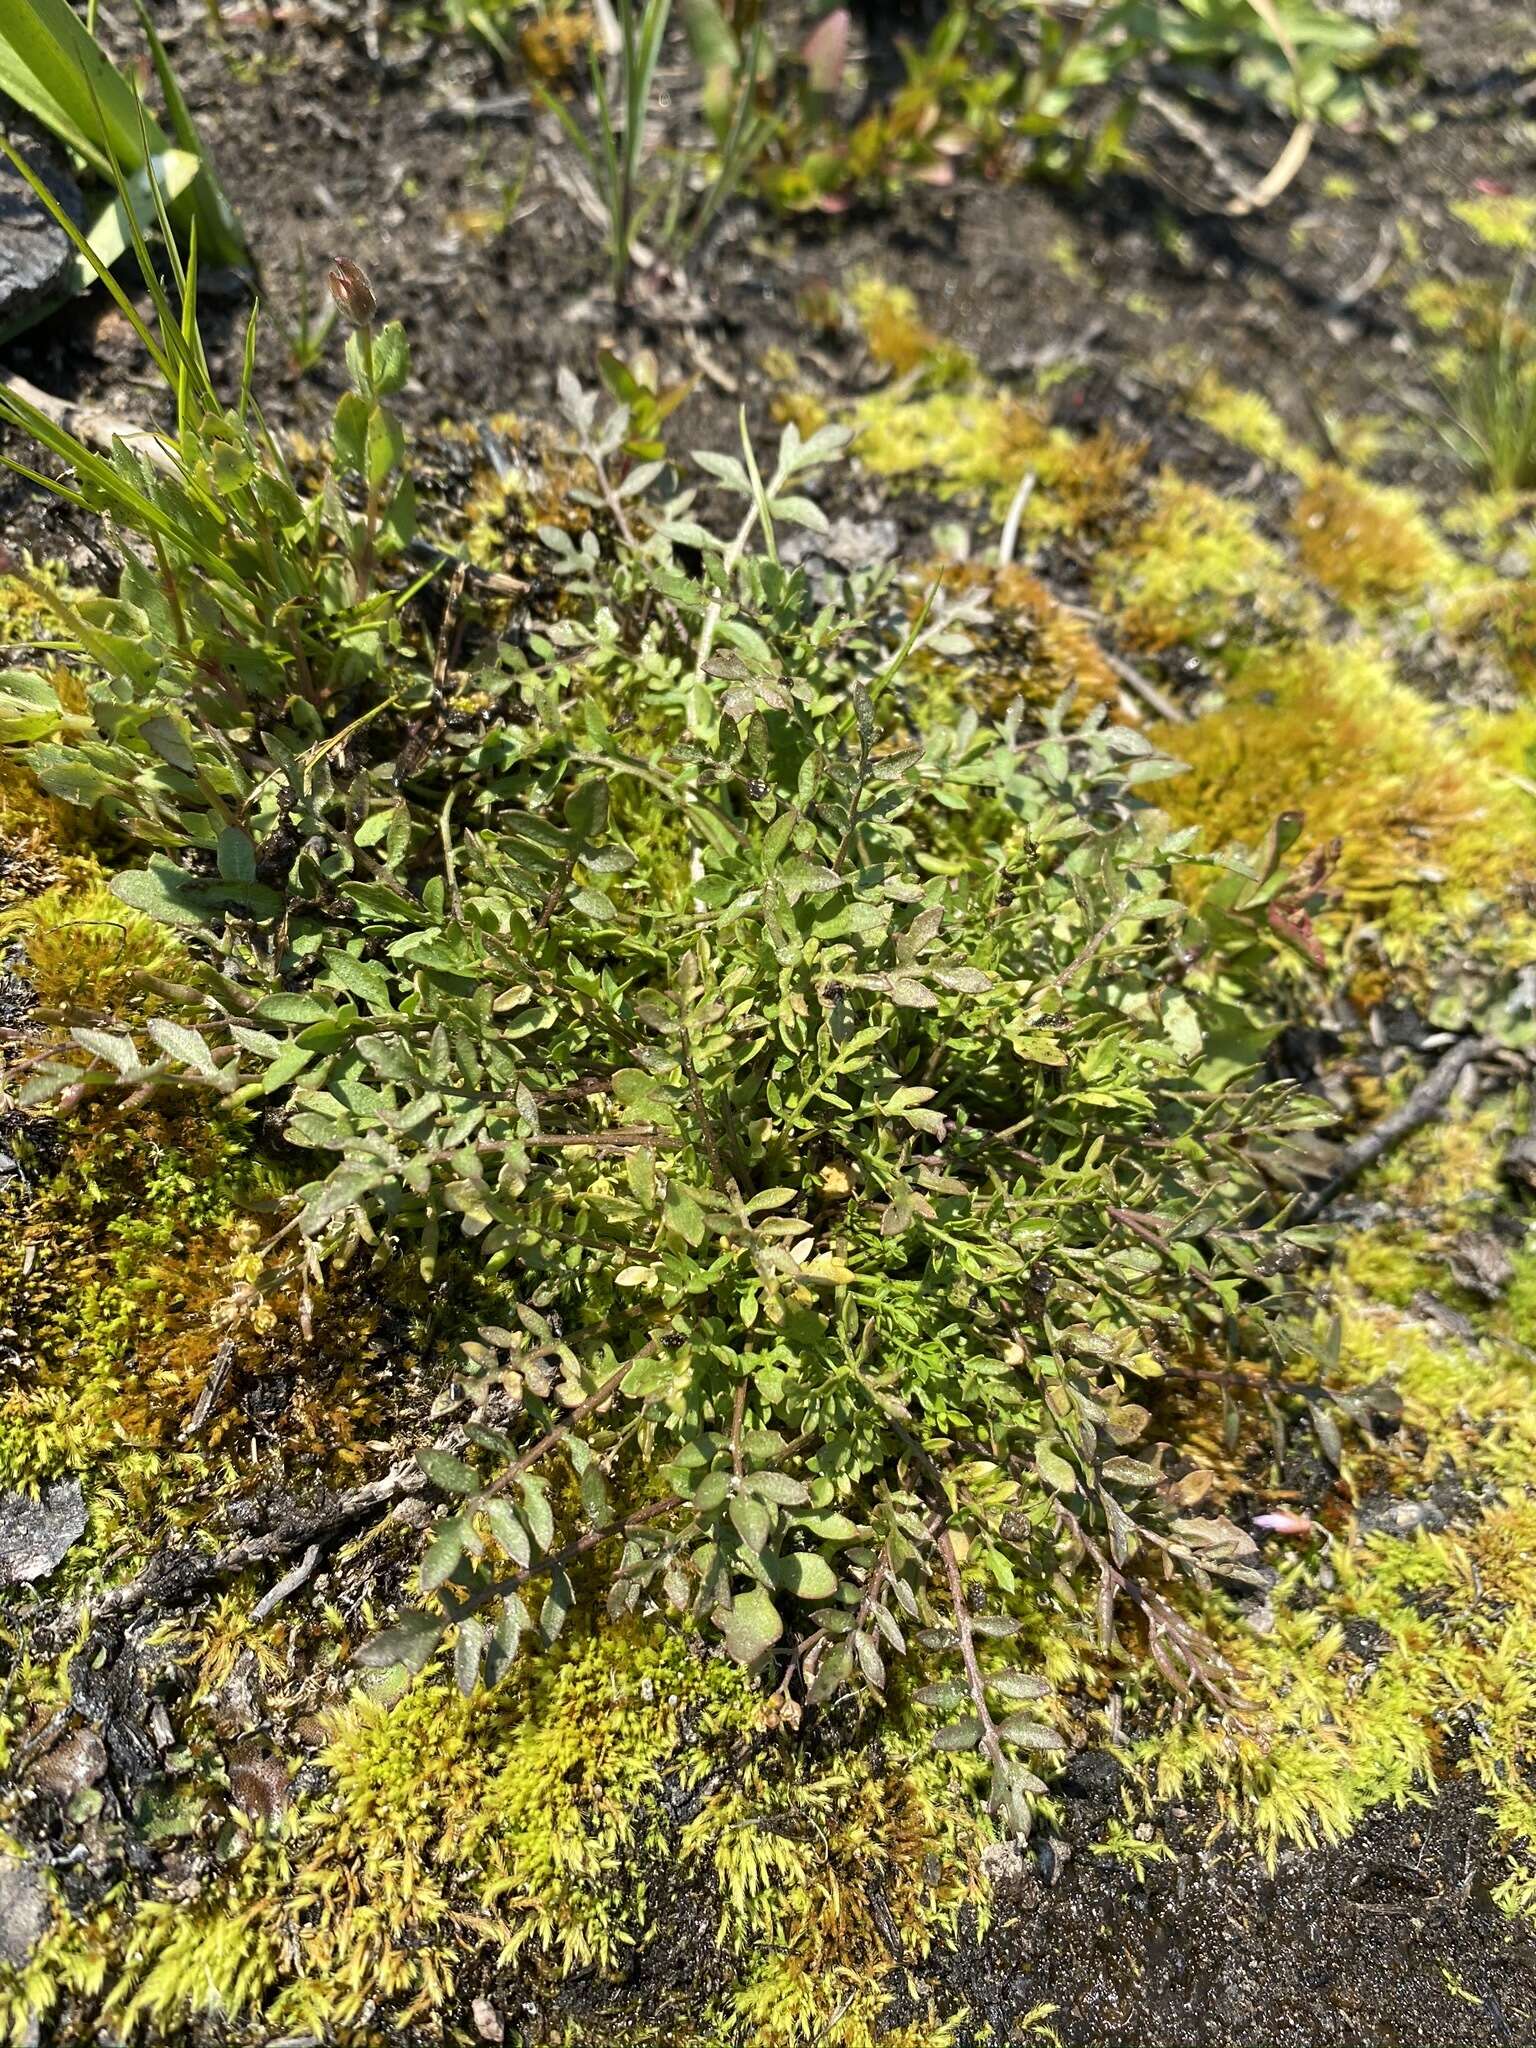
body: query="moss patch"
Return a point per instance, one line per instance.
(1428, 842)
(1503, 220)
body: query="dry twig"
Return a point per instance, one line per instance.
(1425, 1103)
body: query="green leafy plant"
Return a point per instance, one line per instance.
(52, 66)
(637, 386)
(950, 105)
(1005, 88)
(854, 1119)
(1032, 87)
(251, 603)
(1303, 58)
(311, 331)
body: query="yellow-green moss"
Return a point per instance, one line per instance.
(983, 443)
(125, 1275)
(897, 337)
(512, 1822)
(520, 1824)
(1449, 1166)
(1367, 546)
(1197, 570)
(1385, 1661)
(1428, 840)
(1248, 421)
(522, 1828)
(498, 520)
(1504, 220)
(26, 616)
(1506, 744)
(83, 947)
(42, 842)
(1389, 1264)
(1502, 615)
(805, 1865)
(1442, 1623)
(941, 420)
(73, 1959)
(1438, 305)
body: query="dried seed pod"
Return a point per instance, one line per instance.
(350, 288)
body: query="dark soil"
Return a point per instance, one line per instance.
(407, 163)
(1389, 1940)
(402, 163)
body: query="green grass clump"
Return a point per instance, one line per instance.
(1491, 401)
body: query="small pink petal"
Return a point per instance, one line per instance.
(1284, 1524)
(824, 53)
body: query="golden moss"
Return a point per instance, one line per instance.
(449, 1828)
(1502, 615)
(557, 43)
(980, 442)
(1425, 832)
(897, 337)
(1388, 1264)
(1368, 547)
(1380, 1647)
(1247, 420)
(132, 1278)
(1031, 648)
(807, 411)
(806, 1866)
(1196, 570)
(496, 526)
(520, 1823)
(83, 947)
(73, 1959)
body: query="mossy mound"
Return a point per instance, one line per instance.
(1428, 842)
